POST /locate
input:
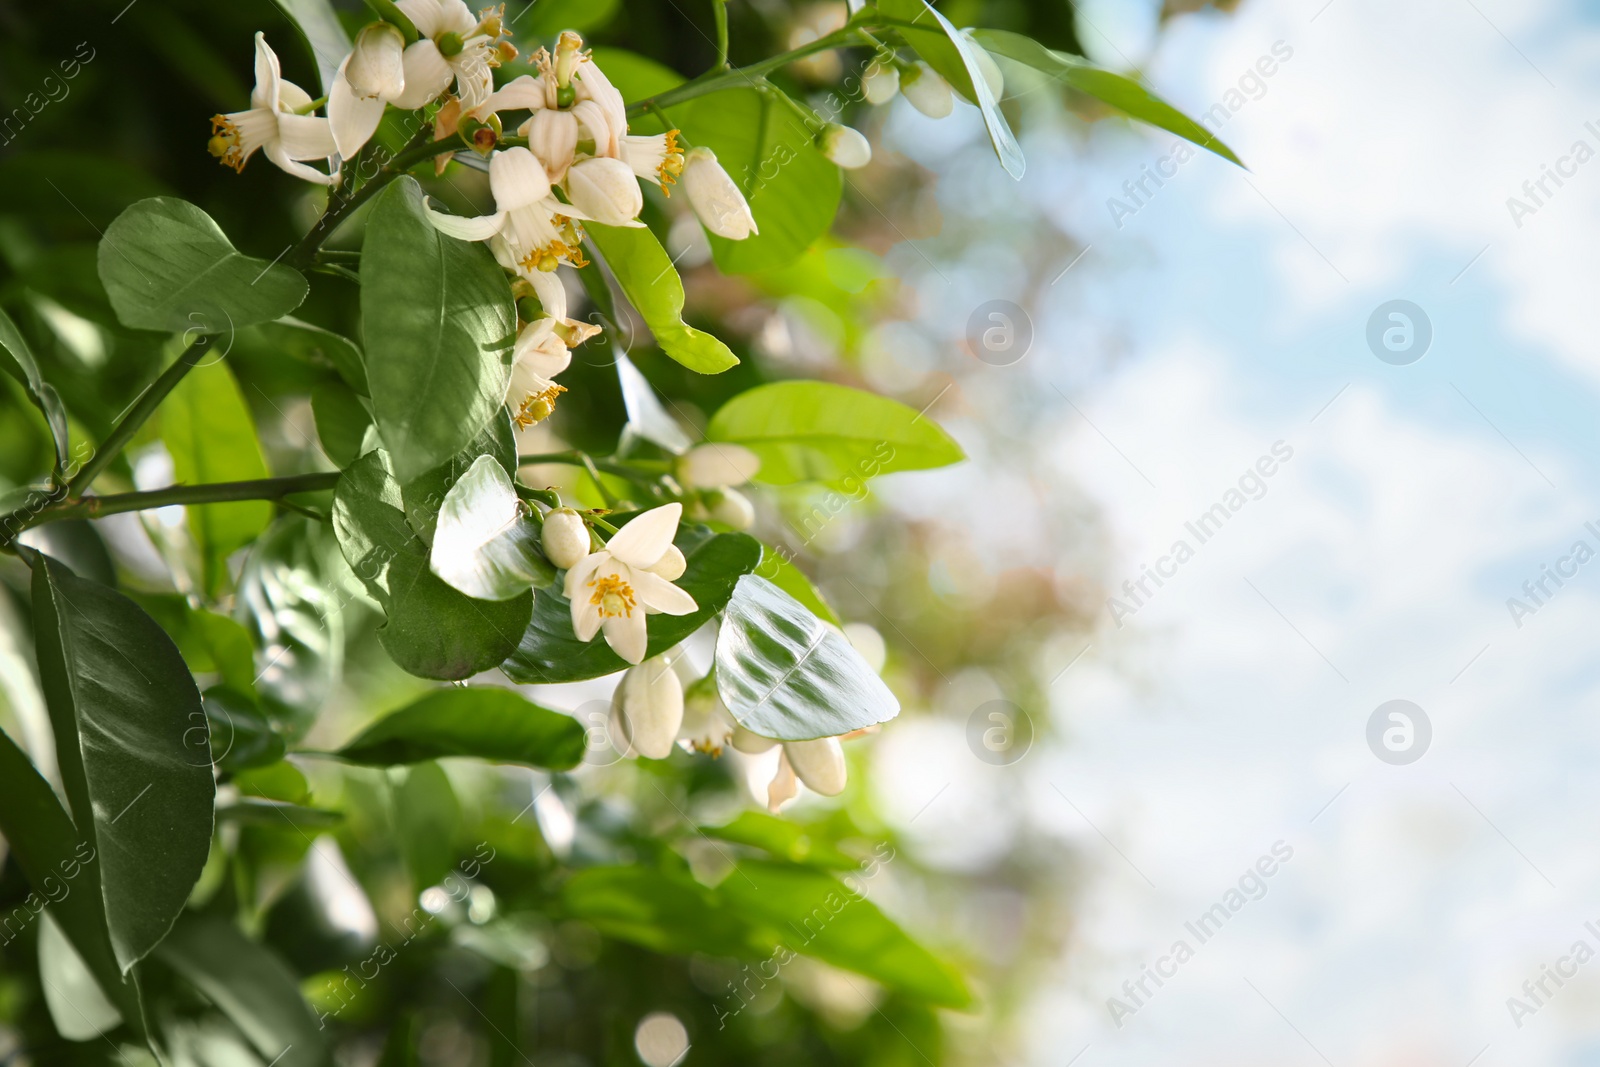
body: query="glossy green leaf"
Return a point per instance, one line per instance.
(636, 77)
(782, 573)
(211, 437)
(1124, 94)
(817, 431)
(663, 912)
(484, 544)
(313, 345)
(210, 643)
(781, 837)
(483, 722)
(323, 34)
(784, 673)
(651, 284)
(54, 856)
(819, 916)
(548, 18)
(167, 266)
(439, 323)
(424, 495)
(792, 188)
(432, 630)
(251, 986)
(427, 817)
(953, 56)
(132, 746)
(280, 814)
(281, 781)
(77, 1005)
(17, 359)
(342, 420)
(550, 652)
(241, 736)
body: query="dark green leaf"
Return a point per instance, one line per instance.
(241, 736)
(636, 77)
(651, 284)
(323, 34)
(320, 348)
(53, 855)
(662, 912)
(952, 55)
(250, 985)
(211, 437)
(342, 420)
(432, 630)
(17, 359)
(427, 816)
(549, 17)
(784, 673)
(483, 722)
(438, 322)
(1124, 94)
(817, 431)
(819, 916)
(782, 838)
(264, 811)
(424, 495)
(167, 266)
(550, 652)
(133, 748)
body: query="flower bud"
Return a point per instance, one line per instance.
(566, 538)
(376, 66)
(717, 465)
(605, 190)
(671, 565)
(731, 508)
(707, 726)
(652, 707)
(553, 137)
(819, 764)
(517, 179)
(844, 146)
(868, 642)
(928, 93)
(751, 744)
(881, 82)
(717, 201)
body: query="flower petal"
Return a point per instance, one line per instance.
(280, 158)
(353, 118)
(551, 293)
(656, 592)
(268, 78)
(518, 179)
(585, 619)
(644, 540)
(424, 15)
(480, 228)
(525, 92)
(782, 787)
(427, 75)
(579, 575)
(306, 137)
(820, 764)
(627, 637)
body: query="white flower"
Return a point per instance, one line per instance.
(648, 707)
(716, 465)
(612, 589)
(553, 132)
(565, 538)
(454, 47)
(819, 764)
(715, 198)
(530, 230)
(928, 93)
(881, 82)
(844, 146)
(731, 508)
(655, 157)
(707, 726)
(371, 76)
(606, 190)
(543, 350)
(278, 123)
(671, 565)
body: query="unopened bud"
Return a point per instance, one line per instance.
(731, 508)
(566, 538)
(881, 82)
(671, 565)
(928, 93)
(844, 146)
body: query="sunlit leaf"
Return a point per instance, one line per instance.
(77, 1005)
(651, 284)
(782, 838)
(484, 544)
(784, 673)
(782, 573)
(647, 419)
(167, 266)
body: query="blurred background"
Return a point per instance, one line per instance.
(1092, 759)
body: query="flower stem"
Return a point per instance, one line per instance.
(716, 81)
(719, 10)
(135, 417)
(91, 507)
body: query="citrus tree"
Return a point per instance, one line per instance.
(406, 655)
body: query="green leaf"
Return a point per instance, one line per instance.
(483, 722)
(662, 912)
(783, 673)
(167, 266)
(281, 781)
(647, 419)
(792, 580)
(651, 284)
(549, 17)
(635, 77)
(424, 495)
(1124, 94)
(764, 145)
(342, 420)
(18, 362)
(819, 916)
(77, 1005)
(550, 652)
(485, 545)
(817, 431)
(323, 34)
(782, 838)
(427, 817)
(250, 985)
(952, 55)
(320, 348)
(241, 736)
(208, 430)
(265, 811)
(133, 750)
(439, 323)
(53, 855)
(432, 630)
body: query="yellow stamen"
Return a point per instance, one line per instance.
(224, 143)
(536, 407)
(613, 596)
(671, 166)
